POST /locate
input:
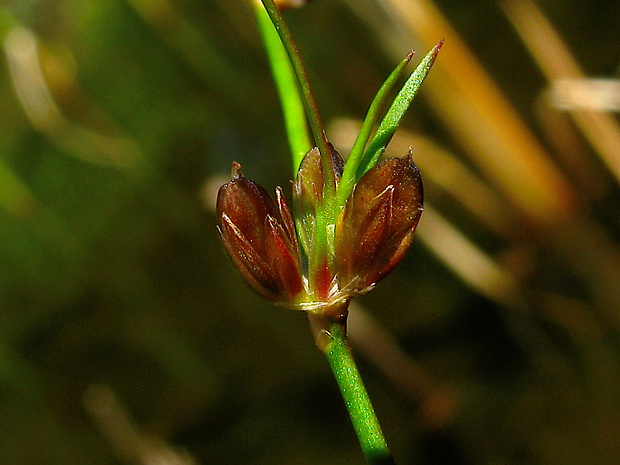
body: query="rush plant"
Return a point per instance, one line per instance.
(350, 225)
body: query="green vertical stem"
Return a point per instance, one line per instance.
(286, 84)
(356, 398)
(316, 124)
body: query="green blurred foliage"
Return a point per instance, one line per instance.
(111, 272)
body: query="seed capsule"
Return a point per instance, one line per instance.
(259, 236)
(308, 192)
(376, 227)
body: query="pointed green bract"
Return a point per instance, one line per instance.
(355, 156)
(397, 110)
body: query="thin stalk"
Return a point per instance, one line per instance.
(293, 110)
(314, 118)
(356, 398)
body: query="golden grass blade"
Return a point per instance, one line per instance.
(21, 46)
(128, 441)
(467, 261)
(572, 150)
(558, 65)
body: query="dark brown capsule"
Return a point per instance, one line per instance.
(378, 222)
(259, 236)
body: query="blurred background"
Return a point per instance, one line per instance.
(126, 336)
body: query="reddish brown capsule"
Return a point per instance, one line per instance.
(259, 236)
(308, 191)
(308, 187)
(376, 227)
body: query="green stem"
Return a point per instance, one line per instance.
(284, 77)
(307, 96)
(356, 398)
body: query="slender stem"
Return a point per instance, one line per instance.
(286, 83)
(307, 95)
(356, 398)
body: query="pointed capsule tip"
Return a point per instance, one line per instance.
(271, 222)
(235, 171)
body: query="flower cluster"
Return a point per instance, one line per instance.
(324, 254)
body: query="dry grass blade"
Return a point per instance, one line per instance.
(557, 63)
(26, 70)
